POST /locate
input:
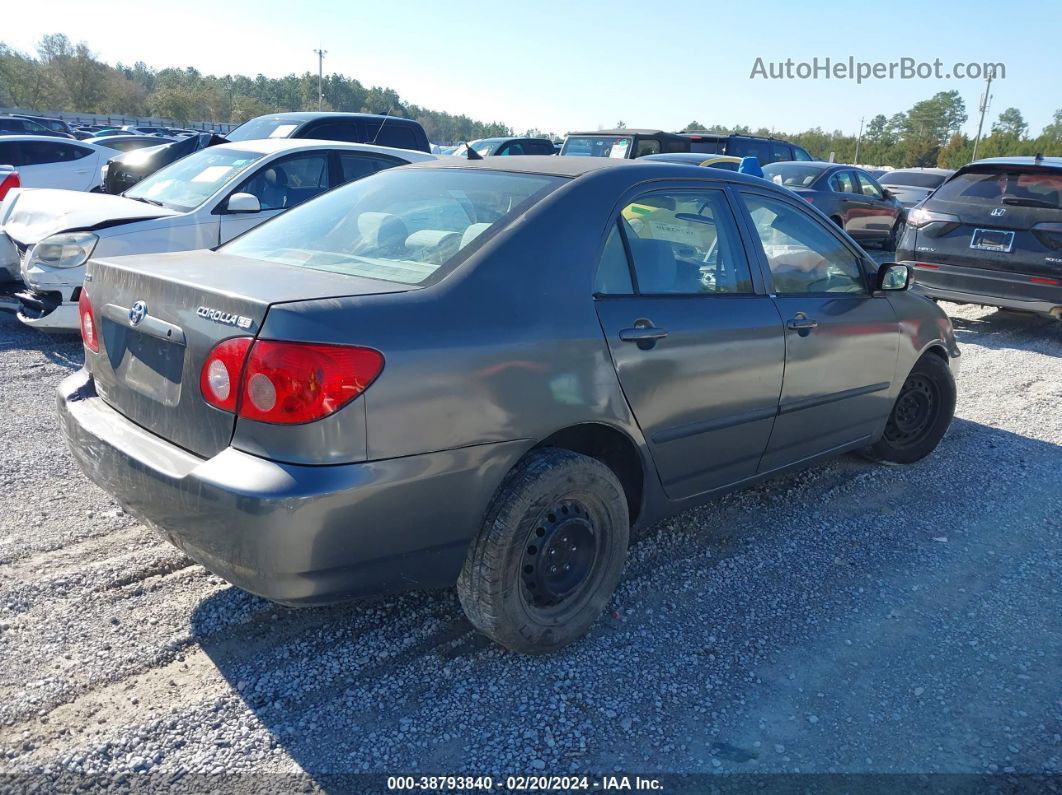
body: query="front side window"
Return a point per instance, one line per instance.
(400, 225)
(800, 154)
(780, 151)
(336, 131)
(746, 147)
(597, 145)
(289, 182)
(685, 242)
(647, 146)
(355, 166)
(867, 186)
(803, 255)
(190, 181)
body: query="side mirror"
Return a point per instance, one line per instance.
(893, 276)
(243, 203)
(886, 192)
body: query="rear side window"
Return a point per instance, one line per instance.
(1015, 186)
(780, 151)
(613, 271)
(11, 153)
(867, 186)
(38, 153)
(538, 148)
(355, 166)
(399, 136)
(680, 243)
(844, 182)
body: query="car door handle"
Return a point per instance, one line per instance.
(801, 322)
(642, 334)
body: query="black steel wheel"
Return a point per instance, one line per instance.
(921, 414)
(550, 553)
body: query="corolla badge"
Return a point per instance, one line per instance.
(227, 318)
(998, 210)
(137, 312)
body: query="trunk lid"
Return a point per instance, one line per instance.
(149, 362)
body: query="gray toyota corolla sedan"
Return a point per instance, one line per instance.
(486, 373)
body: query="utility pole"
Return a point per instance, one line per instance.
(859, 138)
(986, 100)
(320, 77)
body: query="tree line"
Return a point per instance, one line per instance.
(929, 134)
(64, 76)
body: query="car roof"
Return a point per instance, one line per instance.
(269, 146)
(574, 167)
(822, 165)
(624, 131)
(308, 115)
(1027, 160)
(918, 170)
(694, 158)
(39, 138)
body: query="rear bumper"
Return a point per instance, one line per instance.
(293, 534)
(988, 287)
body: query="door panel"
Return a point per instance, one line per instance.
(841, 341)
(234, 224)
(699, 353)
(705, 396)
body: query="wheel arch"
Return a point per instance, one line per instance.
(612, 447)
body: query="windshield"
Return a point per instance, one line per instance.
(597, 145)
(1003, 185)
(264, 127)
(399, 226)
(792, 175)
(189, 182)
(914, 179)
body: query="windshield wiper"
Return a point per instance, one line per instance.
(1020, 202)
(155, 202)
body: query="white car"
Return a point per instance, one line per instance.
(44, 162)
(200, 201)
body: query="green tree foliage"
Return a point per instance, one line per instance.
(1010, 122)
(63, 76)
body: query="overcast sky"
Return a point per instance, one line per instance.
(584, 64)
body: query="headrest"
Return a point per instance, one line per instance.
(431, 238)
(381, 230)
(472, 232)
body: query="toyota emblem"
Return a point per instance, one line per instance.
(137, 312)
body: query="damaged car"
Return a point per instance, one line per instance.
(486, 373)
(200, 201)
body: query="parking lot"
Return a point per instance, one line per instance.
(852, 617)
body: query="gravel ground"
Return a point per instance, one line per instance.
(851, 618)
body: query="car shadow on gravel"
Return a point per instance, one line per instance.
(381, 685)
(1002, 329)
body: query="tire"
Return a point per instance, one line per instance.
(921, 415)
(551, 496)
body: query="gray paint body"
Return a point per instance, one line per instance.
(500, 354)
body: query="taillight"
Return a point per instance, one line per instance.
(219, 380)
(286, 383)
(88, 323)
(10, 181)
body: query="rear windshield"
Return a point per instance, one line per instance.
(915, 179)
(792, 174)
(264, 127)
(1028, 187)
(399, 226)
(597, 145)
(192, 180)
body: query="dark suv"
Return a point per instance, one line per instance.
(359, 128)
(767, 150)
(992, 235)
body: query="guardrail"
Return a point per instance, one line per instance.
(119, 119)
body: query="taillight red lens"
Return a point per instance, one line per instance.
(10, 181)
(292, 382)
(88, 323)
(219, 380)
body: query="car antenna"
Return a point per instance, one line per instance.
(470, 153)
(379, 129)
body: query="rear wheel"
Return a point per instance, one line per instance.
(550, 552)
(921, 415)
